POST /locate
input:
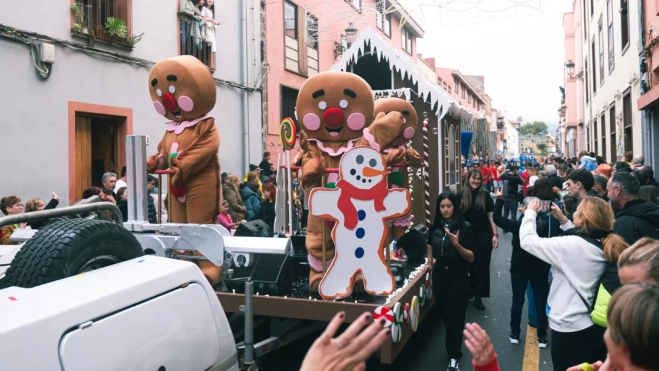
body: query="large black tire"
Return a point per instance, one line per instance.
(69, 247)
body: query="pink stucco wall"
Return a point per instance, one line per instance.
(278, 76)
(447, 75)
(573, 35)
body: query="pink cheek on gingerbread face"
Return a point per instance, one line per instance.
(408, 133)
(356, 121)
(311, 122)
(159, 108)
(185, 103)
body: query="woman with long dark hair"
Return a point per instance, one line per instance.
(477, 207)
(450, 241)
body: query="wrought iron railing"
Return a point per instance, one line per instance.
(196, 42)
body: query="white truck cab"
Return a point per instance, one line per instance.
(148, 313)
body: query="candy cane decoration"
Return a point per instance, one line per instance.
(426, 173)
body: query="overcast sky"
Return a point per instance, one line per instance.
(518, 50)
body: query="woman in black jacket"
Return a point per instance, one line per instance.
(524, 269)
(450, 241)
(476, 205)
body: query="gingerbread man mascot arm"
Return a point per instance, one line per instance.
(397, 153)
(183, 90)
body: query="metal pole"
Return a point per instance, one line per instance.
(290, 193)
(249, 323)
(159, 208)
(322, 184)
(136, 178)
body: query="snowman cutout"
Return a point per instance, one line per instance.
(360, 204)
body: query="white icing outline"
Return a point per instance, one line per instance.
(428, 89)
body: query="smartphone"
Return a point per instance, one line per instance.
(545, 206)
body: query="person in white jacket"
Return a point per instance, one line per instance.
(577, 260)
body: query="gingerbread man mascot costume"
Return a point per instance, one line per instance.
(399, 154)
(182, 89)
(335, 110)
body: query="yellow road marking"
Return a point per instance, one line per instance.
(531, 351)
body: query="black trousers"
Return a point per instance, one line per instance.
(510, 207)
(480, 278)
(540, 287)
(452, 293)
(572, 348)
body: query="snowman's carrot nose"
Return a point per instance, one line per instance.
(369, 172)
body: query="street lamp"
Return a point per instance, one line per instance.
(570, 67)
(351, 34)
(570, 71)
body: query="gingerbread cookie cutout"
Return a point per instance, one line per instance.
(360, 204)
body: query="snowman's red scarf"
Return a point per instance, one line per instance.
(377, 193)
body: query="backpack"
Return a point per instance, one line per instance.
(606, 286)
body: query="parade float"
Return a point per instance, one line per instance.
(269, 281)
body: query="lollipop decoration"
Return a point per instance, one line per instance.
(287, 133)
(288, 136)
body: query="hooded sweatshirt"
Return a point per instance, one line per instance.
(577, 266)
(637, 219)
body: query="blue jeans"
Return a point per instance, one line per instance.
(541, 290)
(532, 315)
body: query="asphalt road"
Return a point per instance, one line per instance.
(427, 351)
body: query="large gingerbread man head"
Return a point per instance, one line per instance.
(335, 106)
(182, 88)
(410, 118)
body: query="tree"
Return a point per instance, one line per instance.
(534, 128)
(542, 149)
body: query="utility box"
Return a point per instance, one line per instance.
(47, 52)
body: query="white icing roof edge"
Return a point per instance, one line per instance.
(428, 90)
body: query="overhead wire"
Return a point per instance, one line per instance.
(26, 37)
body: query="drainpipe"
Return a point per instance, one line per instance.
(646, 123)
(245, 78)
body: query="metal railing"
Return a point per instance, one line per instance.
(63, 211)
(195, 47)
(106, 20)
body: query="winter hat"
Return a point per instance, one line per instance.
(603, 169)
(252, 167)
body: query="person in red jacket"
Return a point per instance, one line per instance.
(486, 175)
(482, 351)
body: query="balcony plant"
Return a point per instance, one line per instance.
(78, 19)
(117, 27)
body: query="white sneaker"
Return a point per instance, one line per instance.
(542, 343)
(514, 339)
(453, 365)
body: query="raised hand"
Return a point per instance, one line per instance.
(455, 238)
(348, 351)
(479, 344)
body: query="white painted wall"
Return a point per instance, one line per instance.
(618, 80)
(34, 121)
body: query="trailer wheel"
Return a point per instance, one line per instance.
(70, 247)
